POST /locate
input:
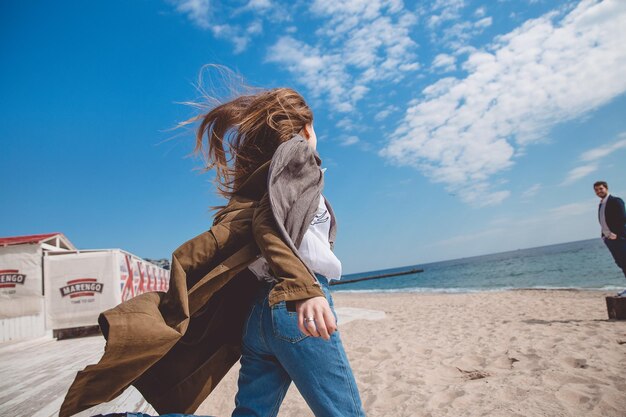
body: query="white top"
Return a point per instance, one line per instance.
(605, 228)
(314, 249)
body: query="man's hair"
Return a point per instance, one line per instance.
(599, 183)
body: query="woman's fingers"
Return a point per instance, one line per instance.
(331, 323)
(311, 325)
(307, 326)
(321, 324)
(318, 308)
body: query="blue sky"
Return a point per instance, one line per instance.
(449, 128)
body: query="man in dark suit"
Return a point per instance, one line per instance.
(612, 217)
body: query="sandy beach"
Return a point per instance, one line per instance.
(519, 353)
(515, 353)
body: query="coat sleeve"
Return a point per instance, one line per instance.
(621, 210)
(295, 280)
(620, 214)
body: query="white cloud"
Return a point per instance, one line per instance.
(449, 28)
(578, 173)
(482, 195)
(322, 74)
(384, 113)
(359, 43)
(591, 157)
(464, 131)
(445, 10)
(348, 124)
(574, 209)
(259, 4)
(531, 191)
(457, 36)
(196, 10)
(564, 223)
(255, 28)
(444, 62)
(200, 13)
(484, 22)
(605, 150)
(274, 11)
(349, 140)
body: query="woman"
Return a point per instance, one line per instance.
(295, 339)
(175, 347)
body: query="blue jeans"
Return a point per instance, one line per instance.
(275, 352)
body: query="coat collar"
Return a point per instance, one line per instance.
(256, 184)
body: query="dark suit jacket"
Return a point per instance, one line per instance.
(615, 216)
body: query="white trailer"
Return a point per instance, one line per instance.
(80, 284)
(22, 290)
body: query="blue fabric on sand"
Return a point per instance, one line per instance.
(163, 415)
(275, 352)
(133, 414)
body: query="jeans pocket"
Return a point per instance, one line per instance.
(285, 323)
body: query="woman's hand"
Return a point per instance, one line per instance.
(318, 308)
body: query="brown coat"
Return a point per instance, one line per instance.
(175, 347)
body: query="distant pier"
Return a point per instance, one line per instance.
(393, 274)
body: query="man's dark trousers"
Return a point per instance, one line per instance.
(615, 214)
(617, 248)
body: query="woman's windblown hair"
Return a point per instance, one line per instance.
(249, 128)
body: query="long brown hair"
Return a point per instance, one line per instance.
(251, 126)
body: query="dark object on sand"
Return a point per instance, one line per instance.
(393, 274)
(616, 307)
(473, 374)
(73, 332)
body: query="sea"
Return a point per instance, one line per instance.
(585, 264)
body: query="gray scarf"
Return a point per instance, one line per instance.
(295, 183)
